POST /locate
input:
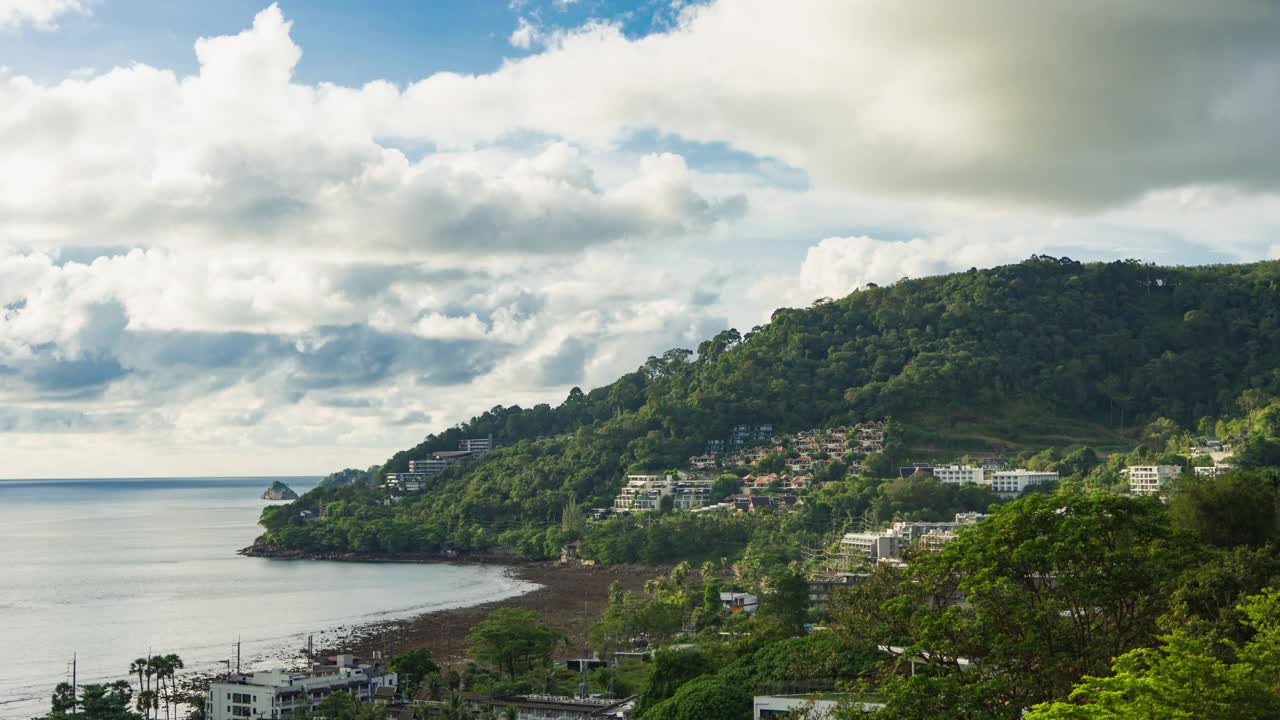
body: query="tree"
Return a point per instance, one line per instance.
(1054, 586)
(710, 697)
(1235, 508)
(724, 486)
(413, 668)
(572, 522)
(672, 668)
(107, 702)
(513, 641)
(787, 601)
(1188, 676)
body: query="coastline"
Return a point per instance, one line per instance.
(567, 597)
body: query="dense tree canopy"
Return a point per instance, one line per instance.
(1048, 351)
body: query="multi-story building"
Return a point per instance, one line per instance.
(819, 706)
(1213, 470)
(477, 445)
(1149, 479)
(642, 492)
(739, 602)
(645, 492)
(959, 474)
(406, 482)
(821, 588)
(279, 693)
(870, 546)
(702, 462)
(690, 494)
(550, 707)
(1016, 482)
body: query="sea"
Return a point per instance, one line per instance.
(105, 571)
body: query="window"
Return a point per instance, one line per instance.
(241, 711)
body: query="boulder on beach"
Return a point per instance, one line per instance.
(279, 491)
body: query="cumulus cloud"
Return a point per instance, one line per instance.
(837, 266)
(1046, 104)
(240, 154)
(39, 14)
(238, 271)
(525, 36)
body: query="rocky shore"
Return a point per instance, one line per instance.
(569, 597)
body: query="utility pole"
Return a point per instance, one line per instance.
(237, 655)
(75, 693)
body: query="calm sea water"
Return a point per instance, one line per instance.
(109, 569)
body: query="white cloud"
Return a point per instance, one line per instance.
(525, 36)
(1041, 104)
(313, 276)
(240, 155)
(837, 266)
(39, 14)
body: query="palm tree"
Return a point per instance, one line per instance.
(139, 666)
(510, 713)
(173, 664)
(149, 671)
(453, 708)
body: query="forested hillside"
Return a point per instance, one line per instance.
(1048, 351)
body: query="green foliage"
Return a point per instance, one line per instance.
(513, 641)
(413, 668)
(671, 669)
(1235, 508)
(1054, 586)
(1188, 676)
(787, 601)
(724, 486)
(1046, 349)
(109, 701)
(707, 698)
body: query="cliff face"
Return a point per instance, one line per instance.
(279, 491)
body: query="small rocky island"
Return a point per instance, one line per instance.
(279, 491)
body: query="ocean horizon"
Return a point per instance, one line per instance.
(110, 569)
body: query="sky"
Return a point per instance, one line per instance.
(246, 238)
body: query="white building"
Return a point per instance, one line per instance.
(1213, 470)
(816, 707)
(739, 602)
(1148, 479)
(870, 546)
(1016, 482)
(959, 474)
(645, 492)
(278, 693)
(476, 445)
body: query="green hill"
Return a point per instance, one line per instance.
(1048, 352)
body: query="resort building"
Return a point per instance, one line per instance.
(645, 492)
(280, 693)
(477, 445)
(550, 707)
(821, 588)
(1213, 470)
(821, 706)
(1016, 482)
(1149, 479)
(739, 602)
(870, 546)
(959, 474)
